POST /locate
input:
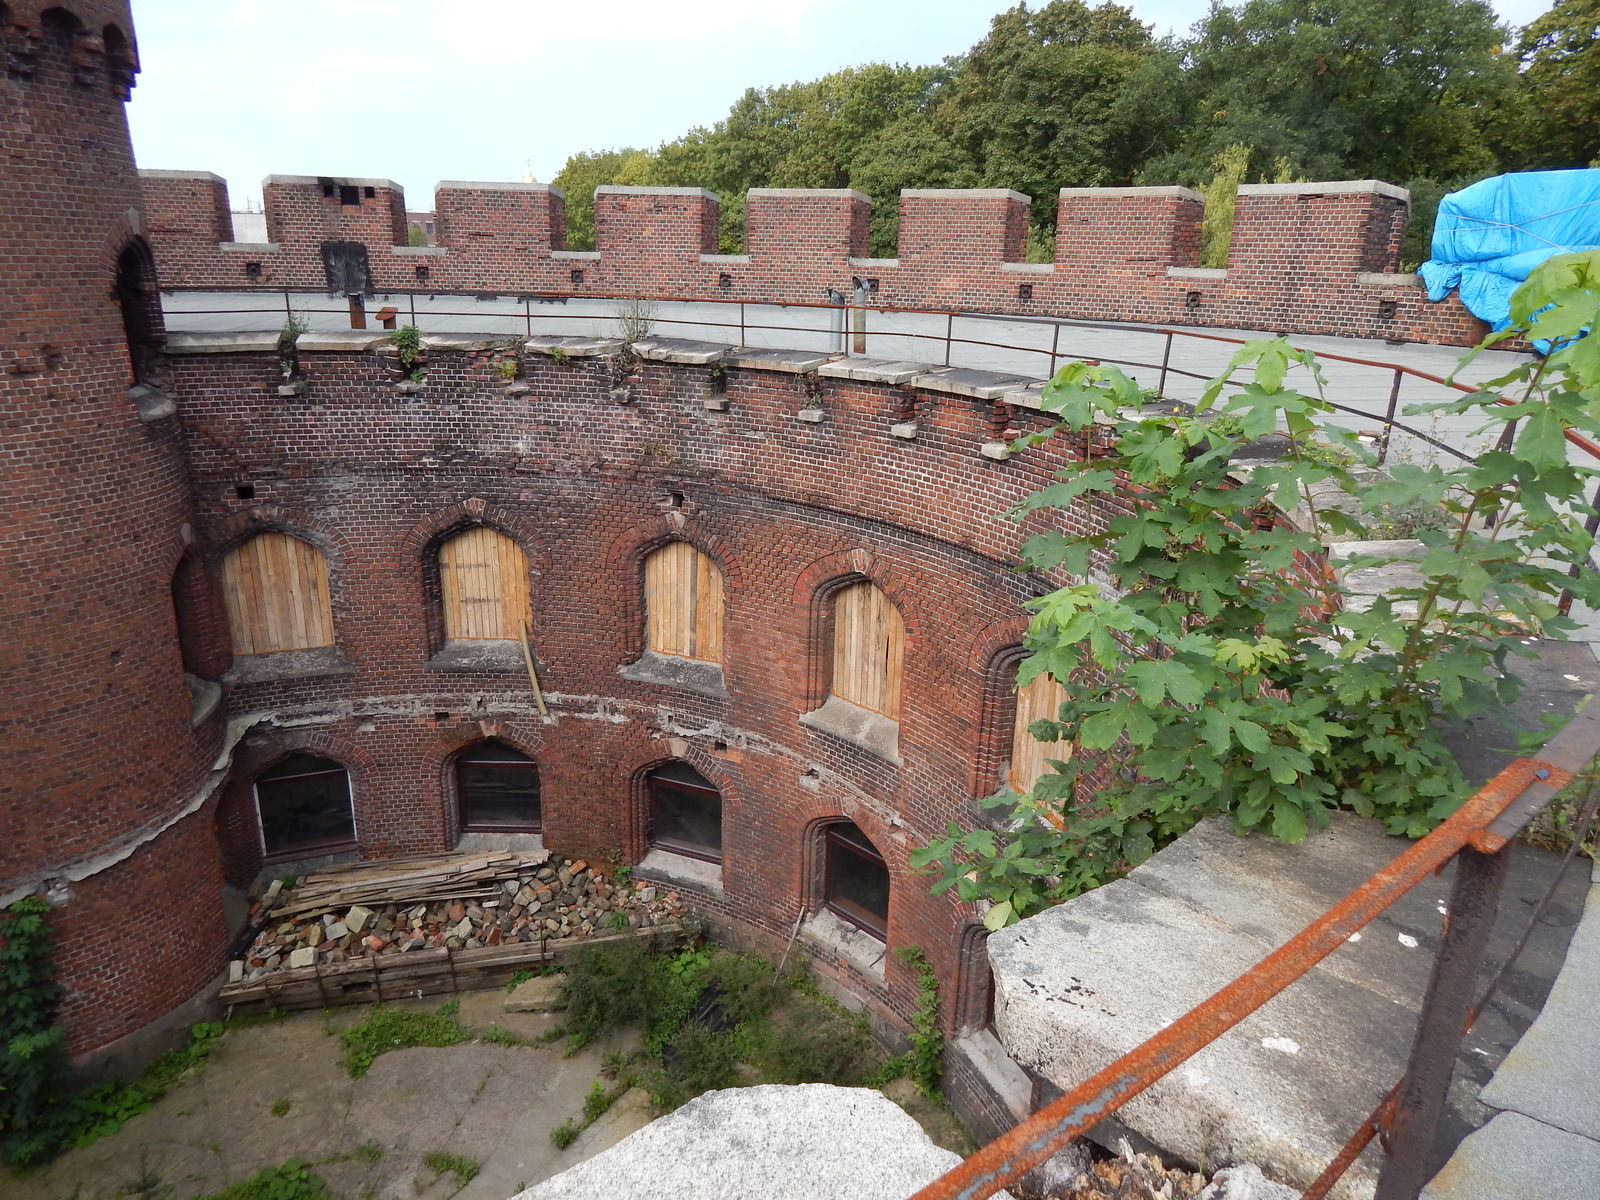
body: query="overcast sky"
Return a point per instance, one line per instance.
(424, 90)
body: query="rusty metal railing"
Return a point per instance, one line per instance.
(1478, 836)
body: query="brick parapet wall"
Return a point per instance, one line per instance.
(596, 481)
(1307, 258)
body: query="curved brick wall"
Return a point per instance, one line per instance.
(99, 755)
(587, 486)
(1309, 258)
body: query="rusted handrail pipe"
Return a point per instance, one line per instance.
(1030, 1143)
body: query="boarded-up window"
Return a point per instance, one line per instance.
(1039, 699)
(483, 580)
(275, 588)
(868, 641)
(683, 603)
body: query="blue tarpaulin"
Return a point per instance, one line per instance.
(1489, 236)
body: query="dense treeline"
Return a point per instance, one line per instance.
(1433, 94)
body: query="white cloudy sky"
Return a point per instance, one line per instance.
(424, 90)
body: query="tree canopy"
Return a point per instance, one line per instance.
(1430, 93)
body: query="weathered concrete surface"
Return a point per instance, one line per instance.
(1550, 1074)
(366, 1137)
(1084, 983)
(1514, 1157)
(772, 1142)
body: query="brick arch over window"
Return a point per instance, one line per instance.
(139, 299)
(815, 591)
(636, 770)
(238, 835)
(626, 555)
(276, 594)
(438, 764)
(425, 541)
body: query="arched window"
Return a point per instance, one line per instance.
(683, 603)
(685, 812)
(868, 644)
(275, 590)
(304, 806)
(856, 879)
(498, 789)
(1039, 699)
(483, 584)
(140, 301)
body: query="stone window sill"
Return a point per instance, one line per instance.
(872, 732)
(289, 664)
(681, 869)
(477, 654)
(685, 674)
(483, 842)
(856, 946)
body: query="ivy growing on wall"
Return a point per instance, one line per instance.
(1217, 674)
(36, 1110)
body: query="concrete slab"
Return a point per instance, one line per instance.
(874, 370)
(1550, 1074)
(572, 345)
(980, 385)
(791, 362)
(682, 351)
(1516, 1158)
(1086, 982)
(779, 1143)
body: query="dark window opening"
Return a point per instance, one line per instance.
(685, 812)
(369, 193)
(140, 301)
(304, 803)
(327, 190)
(857, 883)
(349, 194)
(498, 789)
(245, 491)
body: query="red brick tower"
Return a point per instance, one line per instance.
(107, 765)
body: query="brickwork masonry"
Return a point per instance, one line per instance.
(1307, 258)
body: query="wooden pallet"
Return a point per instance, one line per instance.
(375, 978)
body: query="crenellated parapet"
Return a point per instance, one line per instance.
(1307, 258)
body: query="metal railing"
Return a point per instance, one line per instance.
(1478, 837)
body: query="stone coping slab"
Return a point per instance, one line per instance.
(1514, 1157)
(873, 370)
(572, 345)
(793, 362)
(683, 351)
(980, 385)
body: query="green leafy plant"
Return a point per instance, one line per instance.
(1220, 671)
(564, 1134)
(508, 368)
(105, 1109)
(926, 1062)
(465, 1169)
(294, 326)
(36, 1111)
(559, 356)
(292, 1180)
(280, 1107)
(387, 1028)
(407, 342)
(499, 1035)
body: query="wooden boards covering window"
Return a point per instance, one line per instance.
(869, 640)
(1040, 699)
(683, 603)
(483, 581)
(275, 589)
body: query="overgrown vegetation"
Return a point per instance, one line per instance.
(41, 1112)
(1434, 94)
(709, 1018)
(407, 341)
(465, 1169)
(292, 1180)
(386, 1028)
(1218, 674)
(924, 1061)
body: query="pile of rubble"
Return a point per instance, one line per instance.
(338, 915)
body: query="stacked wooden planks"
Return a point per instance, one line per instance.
(386, 977)
(401, 882)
